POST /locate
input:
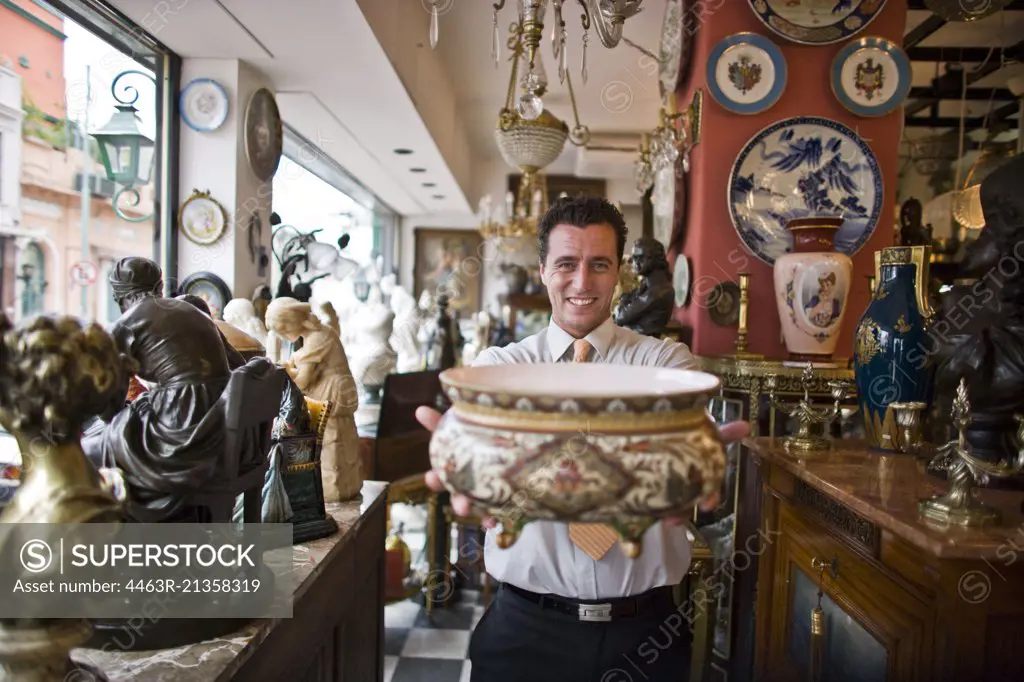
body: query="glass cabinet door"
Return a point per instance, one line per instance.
(852, 654)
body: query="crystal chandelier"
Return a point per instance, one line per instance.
(669, 145)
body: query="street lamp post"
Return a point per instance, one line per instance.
(127, 153)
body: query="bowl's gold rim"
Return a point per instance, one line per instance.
(447, 382)
(604, 423)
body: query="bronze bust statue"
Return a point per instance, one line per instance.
(648, 308)
(170, 440)
(980, 331)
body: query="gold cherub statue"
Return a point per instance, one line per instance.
(806, 441)
(960, 506)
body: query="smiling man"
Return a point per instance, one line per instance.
(534, 630)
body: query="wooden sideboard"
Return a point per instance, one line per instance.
(903, 599)
(335, 634)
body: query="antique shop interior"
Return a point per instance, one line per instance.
(823, 202)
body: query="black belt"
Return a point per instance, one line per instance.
(600, 611)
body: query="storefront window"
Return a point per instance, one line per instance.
(59, 226)
(312, 193)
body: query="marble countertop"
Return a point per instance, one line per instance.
(885, 490)
(218, 659)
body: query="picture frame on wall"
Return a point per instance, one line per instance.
(449, 261)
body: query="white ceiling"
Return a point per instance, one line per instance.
(334, 82)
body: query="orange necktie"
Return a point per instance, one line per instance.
(593, 538)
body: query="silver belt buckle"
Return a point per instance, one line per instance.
(596, 613)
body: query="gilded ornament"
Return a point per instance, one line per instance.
(901, 325)
(867, 342)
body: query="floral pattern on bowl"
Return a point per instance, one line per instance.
(624, 453)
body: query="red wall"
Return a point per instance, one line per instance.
(715, 250)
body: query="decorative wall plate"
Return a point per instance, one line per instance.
(817, 22)
(264, 136)
(723, 304)
(674, 51)
(204, 105)
(208, 287)
(804, 167)
(871, 76)
(681, 279)
(201, 218)
(746, 73)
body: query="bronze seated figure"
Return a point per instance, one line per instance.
(188, 433)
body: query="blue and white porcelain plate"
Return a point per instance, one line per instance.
(804, 167)
(746, 73)
(871, 76)
(817, 22)
(203, 105)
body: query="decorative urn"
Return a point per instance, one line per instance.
(892, 348)
(812, 288)
(590, 443)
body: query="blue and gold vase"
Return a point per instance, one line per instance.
(891, 359)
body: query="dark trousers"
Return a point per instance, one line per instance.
(517, 640)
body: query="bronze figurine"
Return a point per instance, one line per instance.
(912, 232)
(171, 439)
(648, 308)
(55, 374)
(980, 330)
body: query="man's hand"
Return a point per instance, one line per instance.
(730, 433)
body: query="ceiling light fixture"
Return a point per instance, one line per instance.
(403, 152)
(430, 184)
(417, 170)
(607, 17)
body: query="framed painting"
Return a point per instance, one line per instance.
(449, 262)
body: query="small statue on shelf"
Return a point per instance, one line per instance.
(648, 308)
(241, 313)
(912, 232)
(441, 342)
(980, 329)
(320, 370)
(169, 440)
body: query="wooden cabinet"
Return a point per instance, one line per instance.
(902, 600)
(336, 633)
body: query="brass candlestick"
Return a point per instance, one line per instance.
(805, 441)
(960, 505)
(911, 426)
(741, 331)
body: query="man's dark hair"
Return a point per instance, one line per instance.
(581, 211)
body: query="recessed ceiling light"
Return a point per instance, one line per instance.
(403, 152)
(439, 196)
(417, 170)
(430, 184)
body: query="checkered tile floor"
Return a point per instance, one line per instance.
(434, 648)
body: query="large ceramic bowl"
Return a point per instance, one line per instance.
(591, 443)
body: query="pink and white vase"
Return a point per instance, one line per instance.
(812, 289)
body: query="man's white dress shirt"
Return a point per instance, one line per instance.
(543, 559)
